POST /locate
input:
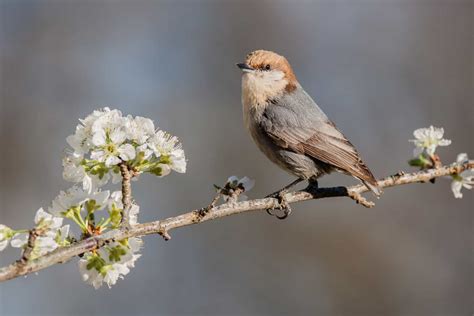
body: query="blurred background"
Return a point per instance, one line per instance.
(379, 69)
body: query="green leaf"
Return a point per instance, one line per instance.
(421, 161)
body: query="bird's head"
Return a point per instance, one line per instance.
(266, 75)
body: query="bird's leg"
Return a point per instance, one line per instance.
(282, 203)
(285, 188)
(312, 186)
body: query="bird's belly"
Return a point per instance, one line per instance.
(299, 165)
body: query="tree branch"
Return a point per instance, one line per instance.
(30, 245)
(126, 194)
(163, 227)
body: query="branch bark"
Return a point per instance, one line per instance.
(163, 227)
(126, 194)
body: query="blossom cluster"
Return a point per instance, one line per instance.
(109, 263)
(103, 142)
(49, 235)
(105, 139)
(426, 141)
(463, 180)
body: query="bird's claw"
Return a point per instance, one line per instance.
(282, 204)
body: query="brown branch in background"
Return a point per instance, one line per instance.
(163, 227)
(126, 193)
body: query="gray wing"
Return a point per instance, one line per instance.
(305, 129)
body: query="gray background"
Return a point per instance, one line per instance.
(380, 69)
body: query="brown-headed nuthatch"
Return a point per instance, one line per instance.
(290, 128)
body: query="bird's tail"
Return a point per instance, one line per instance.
(374, 187)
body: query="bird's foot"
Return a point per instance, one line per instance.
(282, 204)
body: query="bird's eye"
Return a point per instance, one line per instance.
(267, 67)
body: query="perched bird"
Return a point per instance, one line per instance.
(290, 128)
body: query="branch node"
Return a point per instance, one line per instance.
(33, 234)
(360, 199)
(163, 232)
(205, 210)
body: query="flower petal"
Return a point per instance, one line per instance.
(127, 152)
(456, 188)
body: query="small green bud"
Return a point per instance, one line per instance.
(115, 216)
(157, 171)
(95, 262)
(116, 252)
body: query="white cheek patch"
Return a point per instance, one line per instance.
(269, 77)
(274, 75)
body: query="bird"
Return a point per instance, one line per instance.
(291, 129)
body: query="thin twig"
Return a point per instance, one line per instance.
(30, 245)
(163, 227)
(126, 194)
(203, 211)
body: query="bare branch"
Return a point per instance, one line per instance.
(126, 193)
(30, 245)
(163, 227)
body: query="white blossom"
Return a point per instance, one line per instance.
(144, 150)
(163, 143)
(115, 198)
(50, 234)
(110, 263)
(105, 139)
(463, 180)
(133, 214)
(245, 182)
(178, 160)
(109, 156)
(76, 197)
(139, 129)
(114, 272)
(112, 123)
(233, 183)
(46, 221)
(109, 135)
(81, 140)
(427, 139)
(19, 240)
(90, 276)
(74, 171)
(6, 233)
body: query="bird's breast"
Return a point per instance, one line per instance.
(258, 89)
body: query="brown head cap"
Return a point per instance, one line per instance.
(267, 60)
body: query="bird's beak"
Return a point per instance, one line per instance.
(245, 68)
